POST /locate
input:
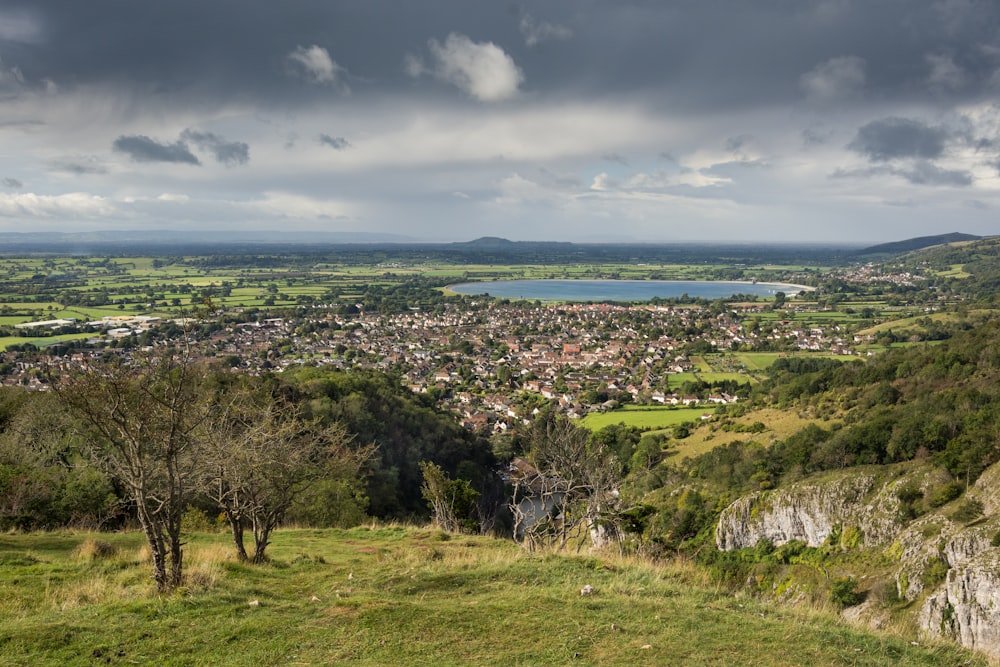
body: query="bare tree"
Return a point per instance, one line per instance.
(260, 454)
(570, 490)
(141, 421)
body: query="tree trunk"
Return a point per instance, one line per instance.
(261, 533)
(176, 555)
(236, 525)
(157, 550)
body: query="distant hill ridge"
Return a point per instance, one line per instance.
(917, 243)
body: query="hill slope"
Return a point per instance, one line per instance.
(917, 243)
(404, 596)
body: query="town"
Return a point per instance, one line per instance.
(494, 363)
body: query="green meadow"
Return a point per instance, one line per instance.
(645, 417)
(404, 596)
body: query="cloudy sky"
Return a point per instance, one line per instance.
(621, 120)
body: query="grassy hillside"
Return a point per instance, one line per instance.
(401, 596)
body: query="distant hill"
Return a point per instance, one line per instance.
(917, 243)
(488, 242)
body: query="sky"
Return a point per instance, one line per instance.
(826, 121)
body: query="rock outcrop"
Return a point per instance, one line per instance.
(949, 556)
(858, 505)
(967, 607)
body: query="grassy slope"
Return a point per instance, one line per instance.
(779, 424)
(403, 596)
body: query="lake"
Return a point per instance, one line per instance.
(620, 290)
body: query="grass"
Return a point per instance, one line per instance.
(645, 417)
(404, 596)
(778, 425)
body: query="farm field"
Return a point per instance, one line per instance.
(644, 417)
(98, 286)
(397, 595)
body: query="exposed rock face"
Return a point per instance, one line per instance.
(865, 507)
(810, 512)
(967, 607)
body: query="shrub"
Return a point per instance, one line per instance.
(935, 573)
(944, 494)
(844, 592)
(968, 511)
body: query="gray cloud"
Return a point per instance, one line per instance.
(921, 172)
(336, 143)
(535, 32)
(892, 138)
(615, 157)
(835, 80)
(754, 54)
(229, 153)
(143, 149)
(78, 165)
(925, 173)
(12, 183)
(813, 136)
(505, 88)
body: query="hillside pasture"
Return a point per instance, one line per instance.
(403, 596)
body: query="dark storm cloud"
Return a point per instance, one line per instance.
(143, 149)
(703, 54)
(892, 138)
(229, 153)
(336, 143)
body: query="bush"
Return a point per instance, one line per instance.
(935, 573)
(968, 511)
(844, 592)
(944, 494)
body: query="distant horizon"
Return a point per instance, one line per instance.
(294, 237)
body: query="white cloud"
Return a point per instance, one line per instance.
(602, 182)
(173, 197)
(482, 70)
(535, 31)
(315, 65)
(834, 80)
(69, 205)
(288, 205)
(515, 189)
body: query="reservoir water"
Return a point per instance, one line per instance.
(620, 290)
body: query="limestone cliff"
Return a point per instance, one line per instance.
(967, 607)
(946, 558)
(857, 504)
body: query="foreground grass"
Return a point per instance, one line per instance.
(401, 596)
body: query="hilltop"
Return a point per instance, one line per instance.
(908, 245)
(413, 596)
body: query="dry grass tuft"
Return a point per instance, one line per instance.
(92, 550)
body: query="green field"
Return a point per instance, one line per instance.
(645, 417)
(404, 596)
